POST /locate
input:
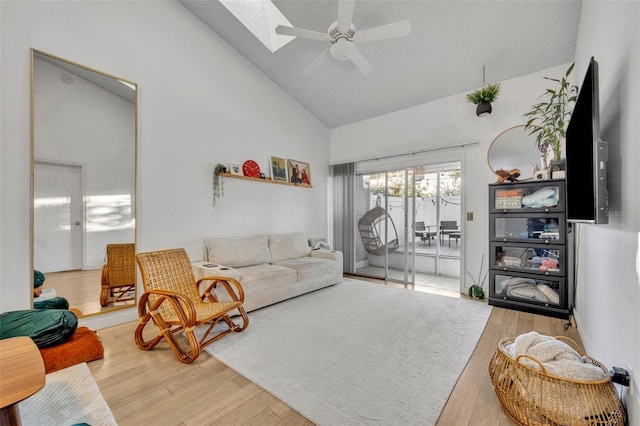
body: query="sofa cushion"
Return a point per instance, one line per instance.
(260, 277)
(310, 267)
(239, 251)
(288, 246)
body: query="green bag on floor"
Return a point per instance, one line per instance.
(46, 327)
(53, 303)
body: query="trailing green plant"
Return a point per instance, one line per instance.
(477, 288)
(547, 119)
(486, 94)
(218, 183)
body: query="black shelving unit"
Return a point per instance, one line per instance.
(529, 248)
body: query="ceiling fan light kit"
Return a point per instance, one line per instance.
(343, 36)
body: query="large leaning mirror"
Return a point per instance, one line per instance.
(84, 137)
(514, 148)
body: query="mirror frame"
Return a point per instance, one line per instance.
(34, 54)
(493, 145)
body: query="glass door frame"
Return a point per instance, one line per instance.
(408, 225)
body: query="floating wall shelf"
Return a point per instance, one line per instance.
(266, 180)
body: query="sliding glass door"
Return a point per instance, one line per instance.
(408, 223)
(385, 216)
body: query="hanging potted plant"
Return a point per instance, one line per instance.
(477, 288)
(218, 184)
(547, 119)
(483, 98)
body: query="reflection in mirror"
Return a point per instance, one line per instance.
(84, 160)
(514, 149)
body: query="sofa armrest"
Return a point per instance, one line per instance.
(331, 255)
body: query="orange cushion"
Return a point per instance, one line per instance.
(83, 346)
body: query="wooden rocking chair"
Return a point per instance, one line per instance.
(173, 302)
(119, 274)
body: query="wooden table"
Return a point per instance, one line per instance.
(21, 375)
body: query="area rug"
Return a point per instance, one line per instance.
(70, 396)
(359, 353)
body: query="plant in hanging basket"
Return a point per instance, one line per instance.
(218, 184)
(547, 119)
(486, 94)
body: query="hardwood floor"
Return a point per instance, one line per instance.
(82, 291)
(154, 388)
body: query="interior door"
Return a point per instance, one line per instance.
(58, 218)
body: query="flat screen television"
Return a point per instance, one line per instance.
(586, 156)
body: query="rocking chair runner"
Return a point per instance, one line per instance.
(173, 302)
(118, 274)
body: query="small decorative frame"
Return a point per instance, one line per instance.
(278, 169)
(235, 169)
(299, 172)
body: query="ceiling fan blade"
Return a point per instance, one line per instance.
(360, 61)
(318, 62)
(345, 14)
(302, 33)
(399, 29)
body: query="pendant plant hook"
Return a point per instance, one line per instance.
(484, 82)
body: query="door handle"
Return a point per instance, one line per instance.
(77, 222)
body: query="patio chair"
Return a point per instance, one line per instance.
(370, 226)
(118, 274)
(448, 227)
(423, 231)
(173, 302)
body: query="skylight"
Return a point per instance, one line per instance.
(261, 17)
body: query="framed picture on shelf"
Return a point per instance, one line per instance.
(278, 169)
(235, 169)
(299, 172)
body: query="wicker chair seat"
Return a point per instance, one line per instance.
(205, 312)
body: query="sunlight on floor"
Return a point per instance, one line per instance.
(427, 283)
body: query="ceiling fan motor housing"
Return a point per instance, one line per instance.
(340, 33)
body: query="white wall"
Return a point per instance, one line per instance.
(200, 103)
(608, 287)
(446, 122)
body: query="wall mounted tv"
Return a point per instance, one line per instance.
(587, 156)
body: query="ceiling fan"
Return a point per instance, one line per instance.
(343, 36)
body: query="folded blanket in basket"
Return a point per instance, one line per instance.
(558, 358)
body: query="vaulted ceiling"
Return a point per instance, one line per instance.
(444, 54)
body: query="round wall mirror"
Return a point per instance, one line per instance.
(514, 149)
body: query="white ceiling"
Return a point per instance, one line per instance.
(444, 54)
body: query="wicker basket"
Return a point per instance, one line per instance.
(531, 396)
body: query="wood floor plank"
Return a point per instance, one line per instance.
(152, 387)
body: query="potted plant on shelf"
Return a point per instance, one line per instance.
(218, 184)
(547, 119)
(477, 288)
(483, 98)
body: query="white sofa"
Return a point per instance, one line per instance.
(272, 268)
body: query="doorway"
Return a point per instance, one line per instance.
(58, 218)
(419, 225)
